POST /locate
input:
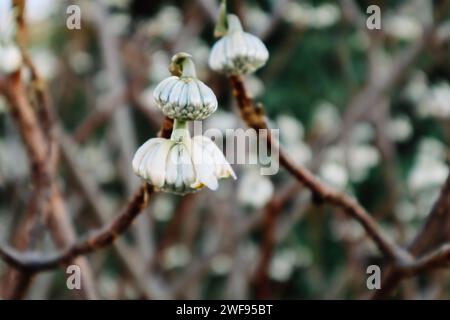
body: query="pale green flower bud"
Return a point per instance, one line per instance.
(181, 164)
(237, 52)
(184, 97)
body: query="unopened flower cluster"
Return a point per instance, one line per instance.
(182, 164)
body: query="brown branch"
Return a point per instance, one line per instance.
(171, 232)
(96, 118)
(90, 190)
(254, 118)
(36, 126)
(434, 232)
(439, 258)
(33, 262)
(42, 159)
(271, 214)
(403, 262)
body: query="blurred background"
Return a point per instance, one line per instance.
(367, 110)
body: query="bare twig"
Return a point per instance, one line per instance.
(254, 118)
(34, 139)
(100, 239)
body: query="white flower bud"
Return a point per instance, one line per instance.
(238, 52)
(185, 97)
(10, 59)
(181, 165)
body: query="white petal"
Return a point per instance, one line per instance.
(203, 164)
(222, 168)
(194, 95)
(175, 93)
(183, 98)
(141, 152)
(163, 89)
(187, 168)
(208, 96)
(156, 170)
(217, 57)
(171, 165)
(146, 160)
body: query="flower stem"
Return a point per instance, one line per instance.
(180, 131)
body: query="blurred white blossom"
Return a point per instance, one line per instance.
(362, 158)
(81, 62)
(255, 86)
(176, 256)
(291, 130)
(429, 170)
(292, 138)
(45, 61)
(326, 119)
(40, 10)
(334, 174)
(352, 161)
(417, 86)
(167, 24)
(282, 265)
(13, 161)
(107, 285)
(399, 129)
(347, 229)
(406, 211)
(436, 101)
(93, 154)
(256, 19)
(221, 264)
(285, 261)
(10, 56)
(7, 22)
(362, 132)
(303, 14)
(163, 207)
(403, 27)
(158, 67)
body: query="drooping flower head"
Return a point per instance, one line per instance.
(10, 56)
(182, 96)
(237, 52)
(181, 164)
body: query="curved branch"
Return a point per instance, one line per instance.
(34, 262)
(439, 258)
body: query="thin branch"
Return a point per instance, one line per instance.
(97, 117)
(34, 262)
(439, 258)
(434, 231)
(43, 157)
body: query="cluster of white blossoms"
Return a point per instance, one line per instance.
(10, 56)
(351, 162)
(305, 15)
(182, 164)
